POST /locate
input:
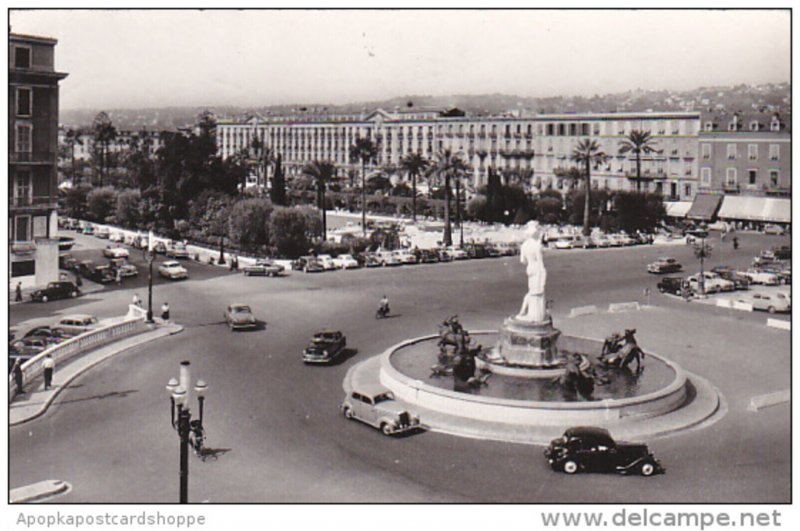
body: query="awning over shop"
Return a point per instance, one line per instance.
(756, 209)
(704, 207)
(678, 209)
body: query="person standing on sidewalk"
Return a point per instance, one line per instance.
(17, 370)
(165, 311)
(49, 365)
(18, 297)
(136, 301)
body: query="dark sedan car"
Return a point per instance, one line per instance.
(588, 449)
(426, 256)
(48, 334)
(670, 285)
(56, 290)
(739, 280)
(325, 346)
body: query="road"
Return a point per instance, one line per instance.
(282, 439)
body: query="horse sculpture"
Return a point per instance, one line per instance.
(620, 351)
(457, 354)
(578, 377)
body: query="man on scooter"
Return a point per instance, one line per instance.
(384, 307)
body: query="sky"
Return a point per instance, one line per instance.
(130, 59)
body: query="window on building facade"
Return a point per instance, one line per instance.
(754, 125)
(732, 125)
(22, 187)
(752, 175)
(596, 129)
(22, 229)
(687, 190)
(22, 57)
(775, 125)
(573, 129)
(752, 151)
(774, 152)
(706, 150)
(709, 126)
(24, 101)
(40, 226)
(774, 176)
(24, 138)
(562, 130)
(731, 151)
(730, 176)
(585, 129)
(705, 175)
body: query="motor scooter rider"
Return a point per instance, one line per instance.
(384, 307)
(735, 243)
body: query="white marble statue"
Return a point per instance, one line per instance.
(533, 305)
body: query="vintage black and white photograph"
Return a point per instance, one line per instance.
(400, 256)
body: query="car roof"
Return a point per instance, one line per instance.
(239, 305)
(587, 431)
(171, 263)
(371, 389)
(77, 316)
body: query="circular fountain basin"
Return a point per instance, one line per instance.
(660, 388)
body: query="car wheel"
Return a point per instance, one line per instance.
(647, 469)
(348, 413)
(661, 289)
(44, 298)
(73, 294)
(386, 428)
(771, 309)
(570, 467)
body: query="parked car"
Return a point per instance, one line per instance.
(784, 252)
(600, 241)
(56, 290)
(770, 302)
(760, 276)
(740, 280)
(239, 316)
(588, 449)
(405, 256)
(670, 285)
(476, 250)
(326, 261)
(116, 237)
(177, 250)
(115, 252)
(266, 268)
(774, 229)
(65, 243)
(49, 334)
(664, 264)
(426, 256)
(457, 253)
(324, 347)
(88, 230)
(782, 269)
(507, 249)
(24, 349)
(443, 255)
(102, 232)
(492, 250)
(376, 406)
(565, 242)
(76, 324)
(172, 270)
(626, 240)
(67, 261)
(368, 260)
(713, 283)
(101, 274)
(346, 261)
(388, 258)
(159, 248)
(127, 270)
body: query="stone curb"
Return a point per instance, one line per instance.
(38, 491)
(68, 377)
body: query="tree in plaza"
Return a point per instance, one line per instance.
(588, 153)
(414, 164)
(104, 133)
(72, 138)
(289, 231)
(321, 172)
(638, 143)
(444, 166)
(460, 170)
(702, 251)
(101, 203)
(635, 211)
(248, 225)
(74, 200)
(278, 190)
(128, 209)
(363, 150)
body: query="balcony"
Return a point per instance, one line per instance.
(23, 247)
(32, 157)
(33, 201)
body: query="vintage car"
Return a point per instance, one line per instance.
(664, 264)
(159, 248)
(101, 274)
(76, 324)
(375, 405)
(177, 250)
(56, 290)
(774, 229)
(670, 285)
(326, 261)
(67, 261)
(239, 316)
(308, 264)
(127, 270)
(88, 230)
(346, 261)
(760, 276)
(457, 253)
(599, 240)
(405, 256)
(115, 252)
(49, 334)
(265, 268)
(712, 283)
(116, 237)
(65, 243)
(426, 256)
(443, 255)
(588, 449)
(368, 260)
(739, 279)
(324, 347)
(102, 232)
(172, 270)
(769, 302)
(388, 258)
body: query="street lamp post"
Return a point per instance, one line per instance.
(150, 287)
(183, 424)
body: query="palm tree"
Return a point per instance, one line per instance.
(363, 150)
(447, 165)
(637, 142)
(72, 138)
(263, 157)
(460, 169)
(587, 152)
(104, 134)
(321, 172)
(414, 164)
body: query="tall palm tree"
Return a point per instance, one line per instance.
(263, 157)
(414, 164)
(72, 137)
(460, 169)
(638, 142)
(363, 150)
(104, 134)
(587, 153)
(321, 172)
(446, 164)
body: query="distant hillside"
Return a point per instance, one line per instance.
(769, 97)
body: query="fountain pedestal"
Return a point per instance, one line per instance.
(527, 349)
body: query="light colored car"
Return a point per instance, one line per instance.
(102, 232)
(266, 268)
(115, 252)
(172, 270)
(116, 237)
(601, 240)
(376, 406)
(76, 324)
(388, 258)
(774, 229)
(177, 250)
(616, 240)
(128, 270)
(327, 261)
(770, 302)
(664, 264)
(565, 242)
(345, 261)
(405, 256)
(713, 283)
(239, 316)
(457, 253)
(758, 276)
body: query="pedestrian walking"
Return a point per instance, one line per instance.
(118, 275)
(165, 311)
(18, 297)
(78, 280)
(49, 365)
(17, 370)
(136, 301)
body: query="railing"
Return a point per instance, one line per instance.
(131, 324)
(37, 200)
(46, 157)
